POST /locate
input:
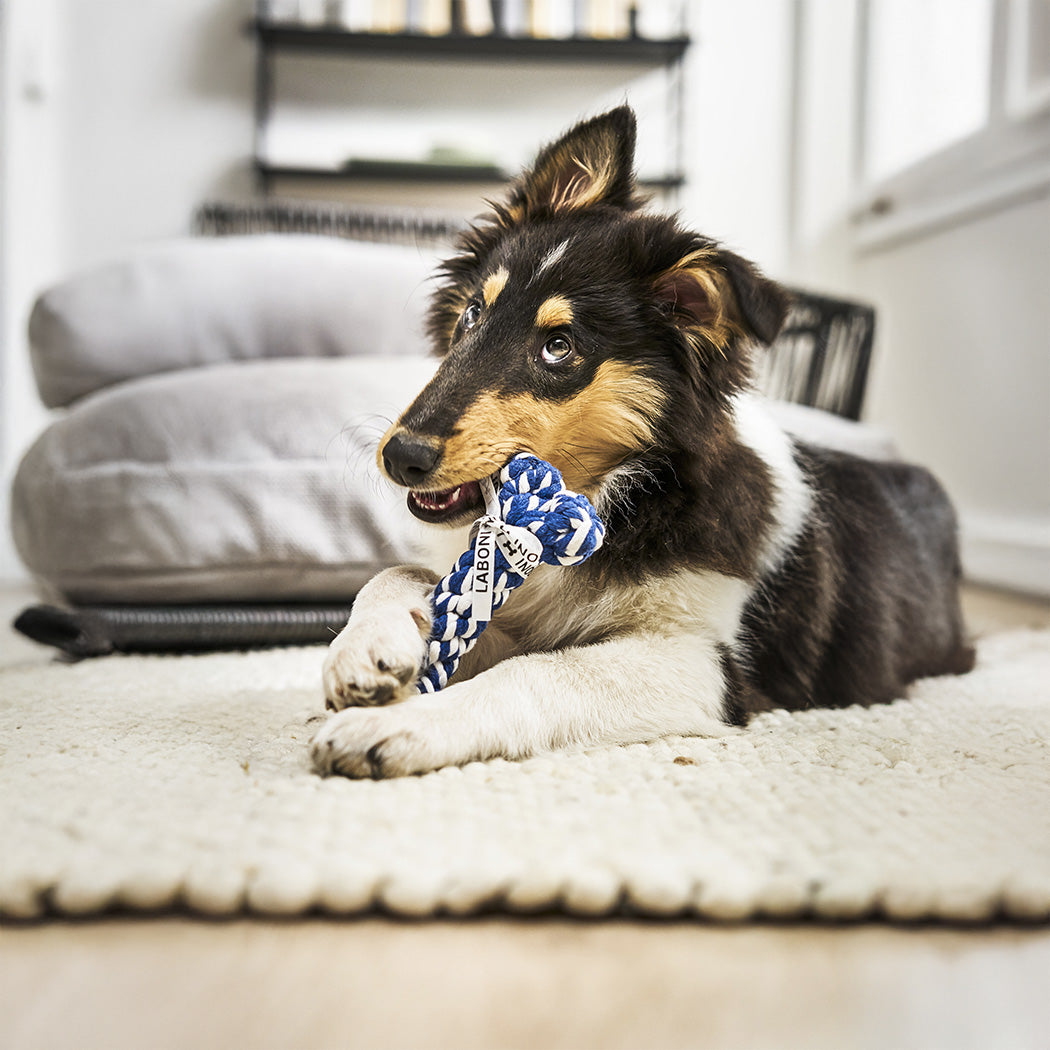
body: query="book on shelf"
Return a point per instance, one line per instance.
(354, 15)
(552, 18)
(479, 20)
(544, 19)
(511, 17)
(389, 16)
(609, 18)
(431, 17)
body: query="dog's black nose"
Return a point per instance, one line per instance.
(409, 459)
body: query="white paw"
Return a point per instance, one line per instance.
(375, 661)
(392, 742)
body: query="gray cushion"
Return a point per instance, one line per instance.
(179, 304)
(253, 481)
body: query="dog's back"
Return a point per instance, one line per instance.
(867, 600)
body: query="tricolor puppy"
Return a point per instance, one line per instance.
(741, 570)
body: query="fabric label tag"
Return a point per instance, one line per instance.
(519, 546)
(484, 570)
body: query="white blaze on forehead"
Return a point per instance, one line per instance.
(552, 257)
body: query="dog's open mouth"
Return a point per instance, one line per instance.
(447, 505)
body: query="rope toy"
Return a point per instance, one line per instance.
(531, 518)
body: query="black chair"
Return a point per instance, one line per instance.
(822, 354)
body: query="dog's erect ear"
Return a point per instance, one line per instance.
(721, 296)
(592, 164)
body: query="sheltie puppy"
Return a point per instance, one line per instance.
(742, 570)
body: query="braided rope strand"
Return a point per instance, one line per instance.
(535, 519)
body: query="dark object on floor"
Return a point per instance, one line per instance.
(95, 630)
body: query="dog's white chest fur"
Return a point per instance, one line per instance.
(556, 608)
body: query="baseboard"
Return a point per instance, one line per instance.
(1007, 551)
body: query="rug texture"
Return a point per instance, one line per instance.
(155, 782)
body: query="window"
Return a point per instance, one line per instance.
(1028, 86)
(928, 69)
(955, 111)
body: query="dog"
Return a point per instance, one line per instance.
(741, 570)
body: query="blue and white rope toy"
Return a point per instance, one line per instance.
(532, 518)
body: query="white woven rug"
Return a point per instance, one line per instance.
(149, 783)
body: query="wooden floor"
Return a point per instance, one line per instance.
(538, 983)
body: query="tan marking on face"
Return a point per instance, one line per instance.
(585, 436)
(556, 312)
(608, 421)
(494, 285)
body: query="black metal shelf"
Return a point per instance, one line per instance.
(294, 37)
(274, 37)
(396, 171)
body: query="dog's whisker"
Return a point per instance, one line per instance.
(373, 421)
(579, 463)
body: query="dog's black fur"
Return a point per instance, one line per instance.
(741, 570)
(866, 598)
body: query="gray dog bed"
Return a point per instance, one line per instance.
(219, 404)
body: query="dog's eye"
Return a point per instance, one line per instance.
(556, 350)
(471, 315)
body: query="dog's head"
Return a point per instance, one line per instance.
(577, 328)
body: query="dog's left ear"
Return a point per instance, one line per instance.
(592, 164)
(719, 296)
(762, 303)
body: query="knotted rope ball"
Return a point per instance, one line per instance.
(532, 517)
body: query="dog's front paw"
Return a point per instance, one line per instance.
(374, 663)
(378, 744)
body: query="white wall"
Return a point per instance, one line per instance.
(964, 379)
(32, 232)
(120, 117)
(961, 372)
(156, 120)
(738, 143)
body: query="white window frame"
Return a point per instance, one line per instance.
(1004, 163)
